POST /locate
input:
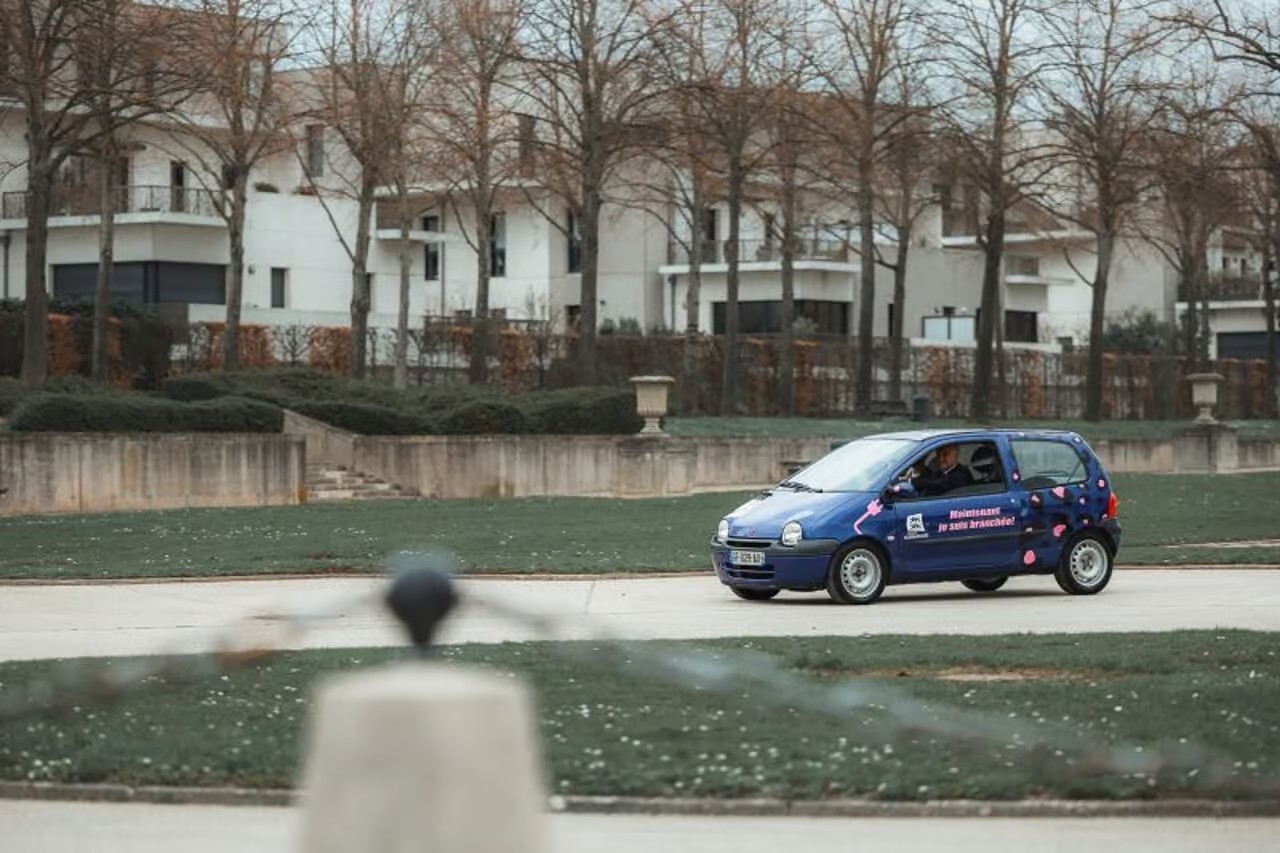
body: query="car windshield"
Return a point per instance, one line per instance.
(859, 466)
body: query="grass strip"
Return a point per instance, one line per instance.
(612, 729)
(553, 535)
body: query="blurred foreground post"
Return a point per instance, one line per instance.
(422, 755)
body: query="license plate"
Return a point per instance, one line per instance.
(746, 558)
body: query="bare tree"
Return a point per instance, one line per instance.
(44, 75)
(474, 132)
(236, 117)
(129, 73)
(991, 56)
(593, 93)
(369, 52)
(867, 52)
(1098, 113)
(1261, 184)
(904, 194)
(738, 56)
(1191, 157)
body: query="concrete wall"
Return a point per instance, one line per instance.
(84, 472)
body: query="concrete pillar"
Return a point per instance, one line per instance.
(653, 466)
(1205, 448)
(423, 757)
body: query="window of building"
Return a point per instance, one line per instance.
(710, 236)
(431, 254)
(765, 317)
(525, 140)
(177, 186)
(1021, 327)
(146, 282)
(315, 150)
(949, 327)
(574, 244)
(278, 279)
(572, 315)
(498, 245)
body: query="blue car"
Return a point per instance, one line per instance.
(975, 506)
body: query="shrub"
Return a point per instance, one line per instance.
(129, 413)
(485, 417)
(584, 411)
(194, 386)
(12, 393)
(364, 418)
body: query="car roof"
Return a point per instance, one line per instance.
(929, 434)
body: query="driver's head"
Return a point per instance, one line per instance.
(948, 456)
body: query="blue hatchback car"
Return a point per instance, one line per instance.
(975, 506)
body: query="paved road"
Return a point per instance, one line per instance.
(116, 619)
(35, 827)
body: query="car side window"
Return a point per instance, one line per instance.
(1043, 463)
(972, 468)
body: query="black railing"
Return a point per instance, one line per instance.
(757, 251)
(1226, 288)
(83, 201)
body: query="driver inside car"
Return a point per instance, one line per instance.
(944, 474)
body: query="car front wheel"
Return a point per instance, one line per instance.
(1086, 565)
(751, 594)
(857, 575)
(984, 584)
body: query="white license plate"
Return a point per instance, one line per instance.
(746, 558)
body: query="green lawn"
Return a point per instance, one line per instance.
(848, 428)
(609, 726)
(563, 535)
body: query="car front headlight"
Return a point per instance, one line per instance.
(792, 533)
(722, 531)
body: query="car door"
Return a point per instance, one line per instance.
(974, 530)
(1055, 484)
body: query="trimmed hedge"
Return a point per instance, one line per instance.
(364, 418)
(128, 413)
(584, 411)
(485, 417)
(12, 392)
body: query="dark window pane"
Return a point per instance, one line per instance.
(277, 287)
(202, 284)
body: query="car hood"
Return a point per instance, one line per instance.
(763, 517)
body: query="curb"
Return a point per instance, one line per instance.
(761, 807)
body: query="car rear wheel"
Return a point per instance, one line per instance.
(751, 594)
(857, 575)
(984, 584)
(1086, 565)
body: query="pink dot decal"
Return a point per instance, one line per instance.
(1102, 484)
(1081, 501)
(1029, 558)
(1016, 476)
(1085, 522)
(1059, 529)
(1059, 492)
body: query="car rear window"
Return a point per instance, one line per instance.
(1043, 462)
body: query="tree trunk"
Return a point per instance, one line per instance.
(1269, 306)
(729, 374)
(993, 251)
(1202, 272)
(478, 369)
(101, 368)
(401, 374)
(786, 360)
(360, 296)
(899, 298)
(692, 309)
(35, 342)
(1097, 316)
(588, 301)
(235, 286)
(863, 379)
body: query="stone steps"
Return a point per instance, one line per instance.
(337, 483)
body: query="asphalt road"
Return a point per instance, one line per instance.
(138, 618)
(36, 827)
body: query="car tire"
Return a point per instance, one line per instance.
(1086, 565)
(858, 574)
(747, 593)
(984, 584)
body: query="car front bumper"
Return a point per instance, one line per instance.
(803, 566)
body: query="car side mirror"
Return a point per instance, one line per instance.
(898, 492)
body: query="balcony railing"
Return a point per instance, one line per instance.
(758, 251)
(1228, 288)
(83, 201)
